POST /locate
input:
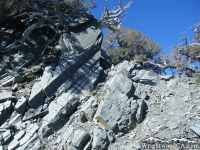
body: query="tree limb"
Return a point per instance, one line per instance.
(113, 19)
(27, 5)
(163, 67)
(25, 35)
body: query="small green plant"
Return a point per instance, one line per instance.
(198, 79)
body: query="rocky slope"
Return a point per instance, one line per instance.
(171, 107)
(78, 102)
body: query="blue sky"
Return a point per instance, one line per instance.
(161, 20)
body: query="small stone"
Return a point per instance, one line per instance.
(21, 105)
(14, 88)
(80, 137)
(140, 111)
(5, 96)
(81, 117)
(45, 106)
(99, 138)
(18, 79)
(89, 108)
(6, 136)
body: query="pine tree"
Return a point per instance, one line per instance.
(129, 44)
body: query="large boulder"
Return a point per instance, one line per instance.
(121, 83)
(108, 115)
(58, 111)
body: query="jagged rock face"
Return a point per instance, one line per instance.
(37, 98)
(170, 108)
(140, 108)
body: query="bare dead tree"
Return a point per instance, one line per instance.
(113, 19)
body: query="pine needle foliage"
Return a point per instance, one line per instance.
(129, 44)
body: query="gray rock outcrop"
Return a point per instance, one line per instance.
(46, 93)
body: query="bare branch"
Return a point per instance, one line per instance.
(25, 35)
(56, 33)
(27, 5)
(193, 44)
(37, 14)
(58, 14)
(163, 67)
(113, 19)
